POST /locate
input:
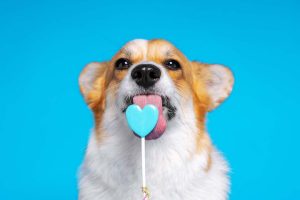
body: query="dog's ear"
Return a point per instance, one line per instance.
(217, 81)
(92, 82)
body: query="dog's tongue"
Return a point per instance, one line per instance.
(141, 101)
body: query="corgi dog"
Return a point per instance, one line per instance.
(182, 163)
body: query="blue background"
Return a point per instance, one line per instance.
(44, 122)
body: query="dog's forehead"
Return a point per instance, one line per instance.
(147, 48)
(138, 46)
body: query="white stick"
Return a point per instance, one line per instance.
(143, 163)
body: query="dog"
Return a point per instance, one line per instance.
(182, 163)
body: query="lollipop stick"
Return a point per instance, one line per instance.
(144, 187)
(143, 162)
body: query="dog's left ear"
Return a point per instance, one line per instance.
(214, 80)
(92, 82)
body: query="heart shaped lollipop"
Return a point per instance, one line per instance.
(142, 121)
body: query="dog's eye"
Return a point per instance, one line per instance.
(122, 63)
(172, 64)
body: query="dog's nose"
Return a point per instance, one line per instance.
(146, 75)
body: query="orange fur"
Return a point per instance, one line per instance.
(95, 96)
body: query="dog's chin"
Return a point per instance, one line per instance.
(167, 111)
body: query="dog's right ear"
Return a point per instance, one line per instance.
(217, 80)
(92, 82)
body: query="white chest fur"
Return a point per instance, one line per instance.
(112, 168)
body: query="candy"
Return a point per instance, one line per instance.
(142, 122)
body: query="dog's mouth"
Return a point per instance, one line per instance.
(165, 108)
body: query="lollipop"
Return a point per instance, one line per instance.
(142, 122)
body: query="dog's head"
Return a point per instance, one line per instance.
(154, 72)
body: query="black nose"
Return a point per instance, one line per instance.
(145, 75)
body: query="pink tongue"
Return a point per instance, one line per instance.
(141, 101)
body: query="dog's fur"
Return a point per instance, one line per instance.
(182, 164)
